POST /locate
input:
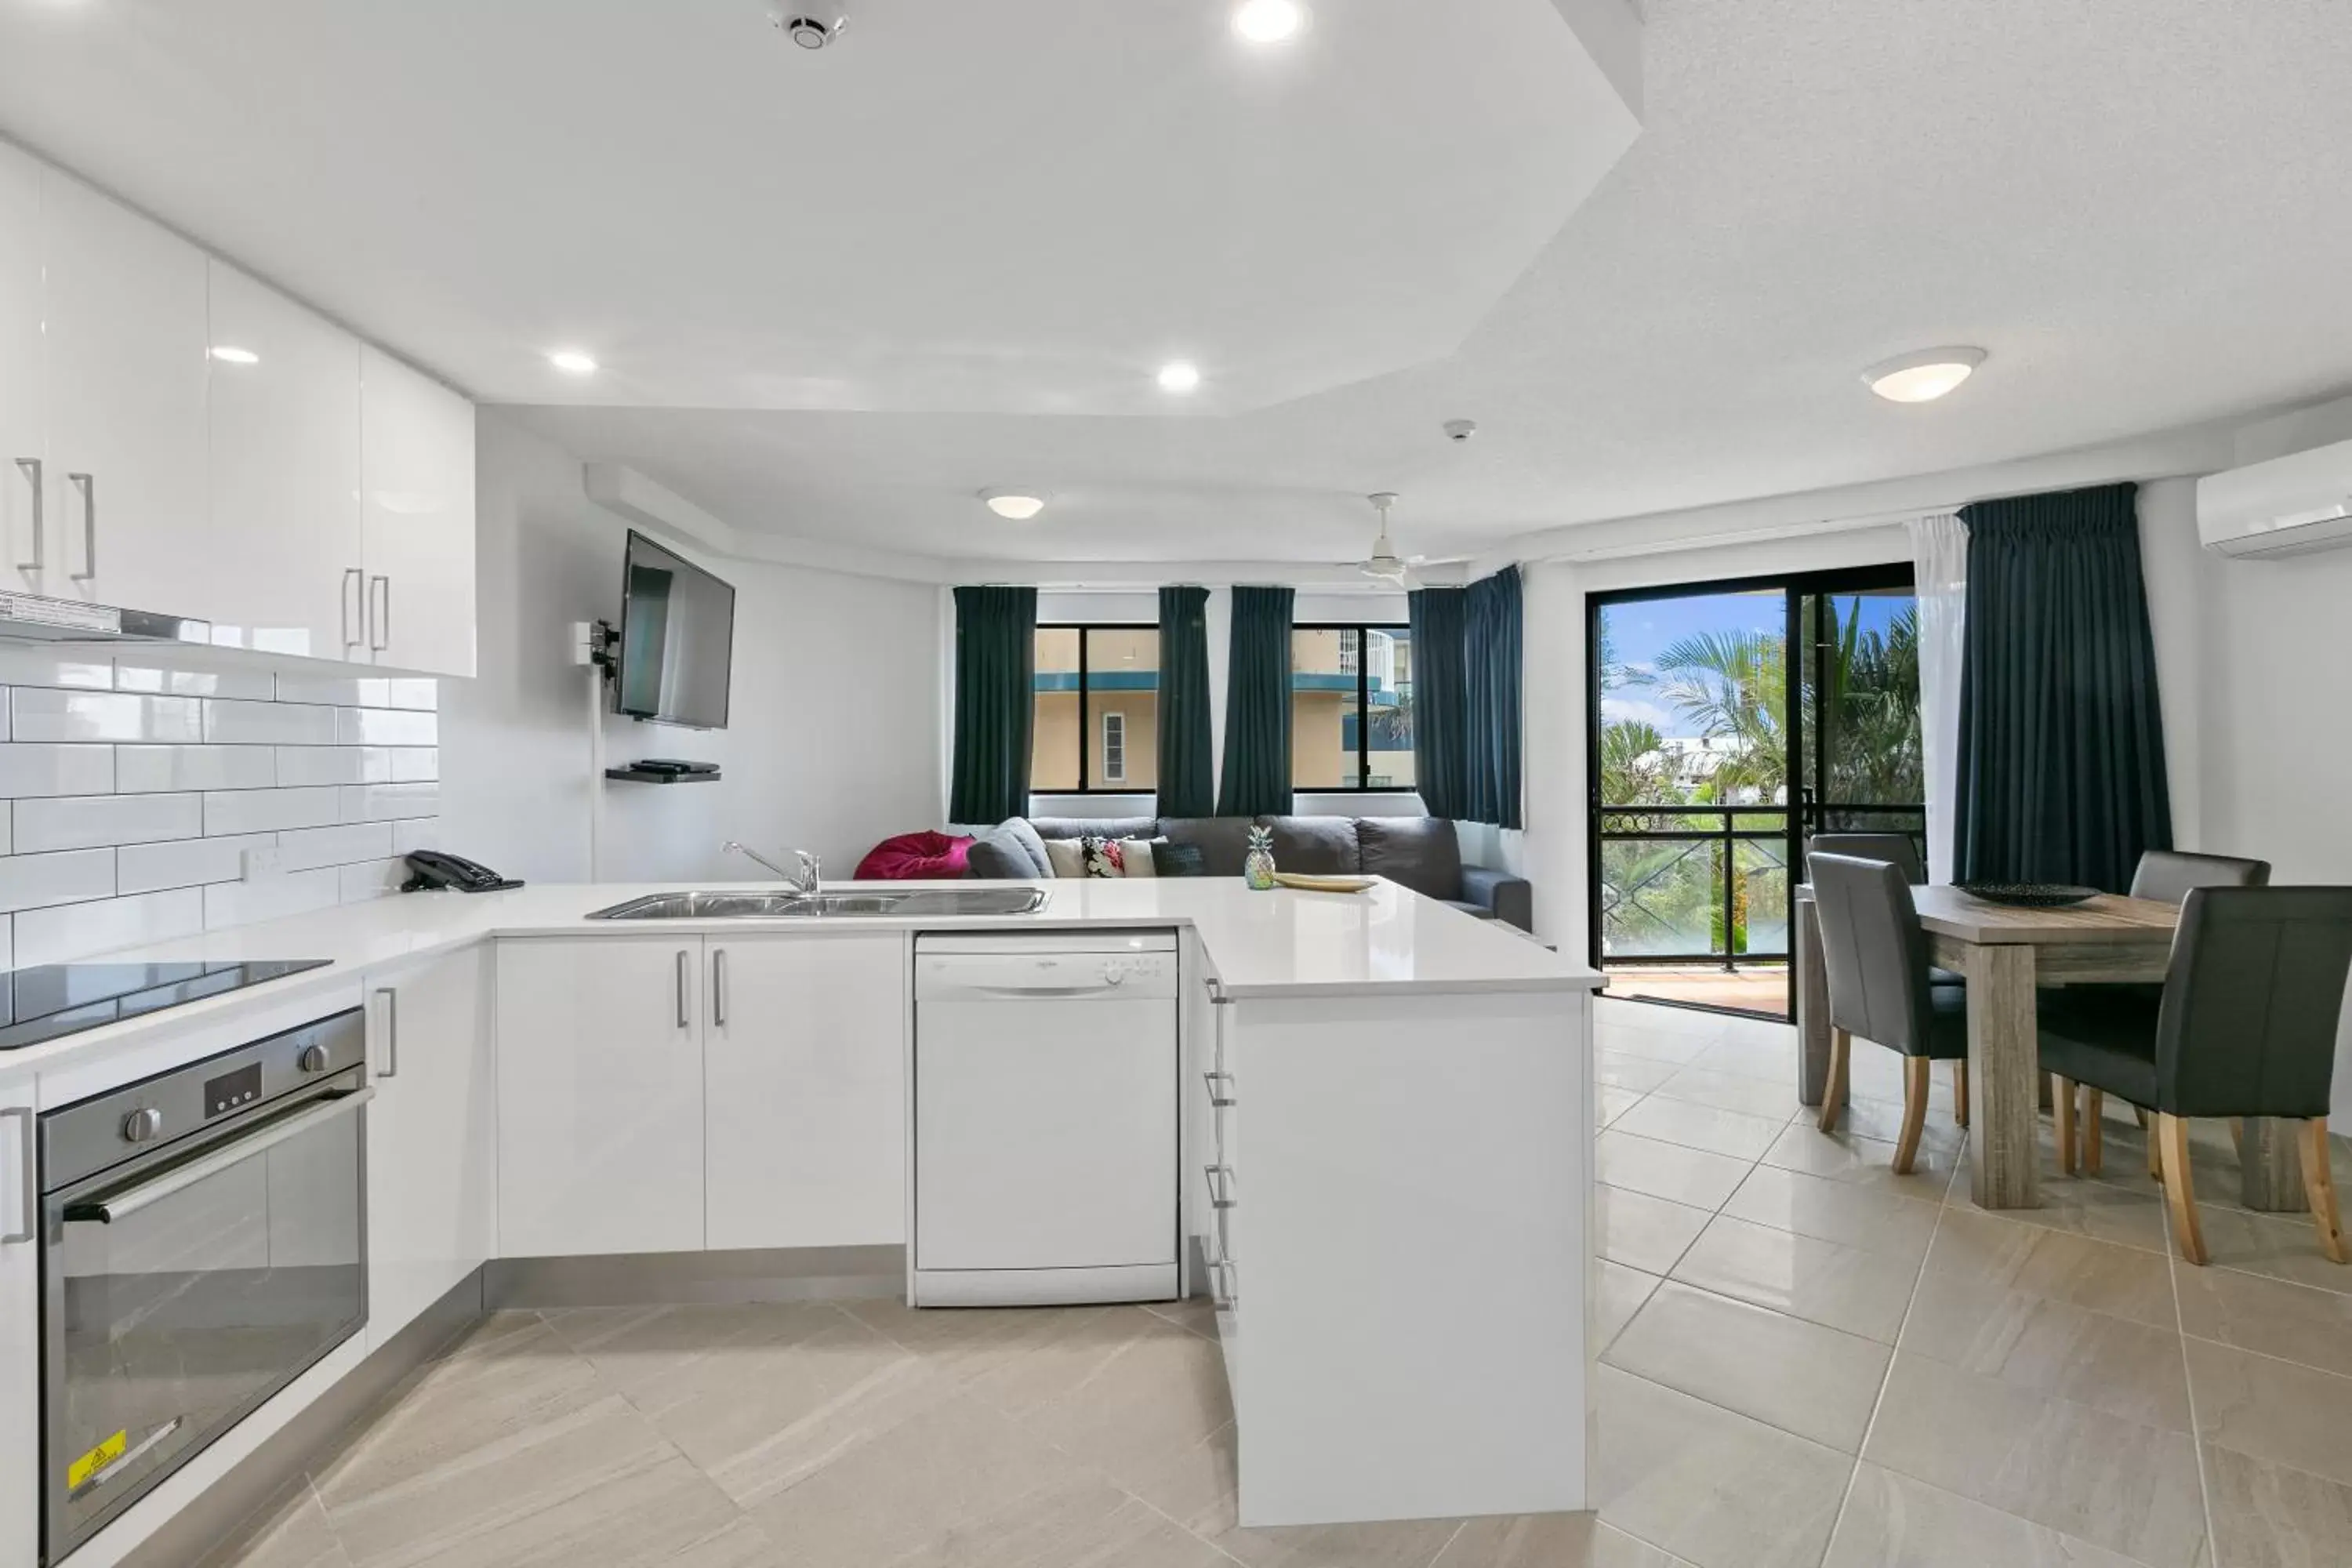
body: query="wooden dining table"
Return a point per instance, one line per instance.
(2007, 952)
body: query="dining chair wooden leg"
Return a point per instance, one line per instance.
(2238, 1134)
(2095, 1113)
(2061, 1101)
(1915, 1112)
(1960, 1091)
(1834, 1091)
(2155, 1149)
(2319, 1186)
(2179, 1190)
(2139, 1114)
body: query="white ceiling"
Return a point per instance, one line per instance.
(2136, 205)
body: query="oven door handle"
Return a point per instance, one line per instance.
(129, 1200)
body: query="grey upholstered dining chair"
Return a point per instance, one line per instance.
(2165, 876)
(2243, 1025)
(1901, 852)
(1876, 956)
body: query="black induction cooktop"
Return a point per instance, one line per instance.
(60, 999)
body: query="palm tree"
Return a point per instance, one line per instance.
(1734, 686)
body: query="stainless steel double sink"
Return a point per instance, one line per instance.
(914, 903)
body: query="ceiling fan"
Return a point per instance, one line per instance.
(1383, 564)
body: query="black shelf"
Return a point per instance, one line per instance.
(635, 775)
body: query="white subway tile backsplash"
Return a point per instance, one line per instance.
(28, 769)
(360, 691)
(314, 846)
(371, 880)
(184, 863)
(258, 684)
(39, 713)
(265, 810)
(30, 881)
(140, 769)
(89, 821)
(386, 727)
(62, 934)
(271, 723)
(132, 793)
(30, 665)
(271, 897)
(385, 803)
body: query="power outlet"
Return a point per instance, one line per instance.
(264, 862)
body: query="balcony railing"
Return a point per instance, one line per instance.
(1709, 884)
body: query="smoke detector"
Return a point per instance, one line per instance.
(811, 28)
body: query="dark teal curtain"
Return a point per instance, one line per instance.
(1441, 701)
(1257, 706)
(995, 694)
(1491, 642)
(2062, 774)
(1186, 786)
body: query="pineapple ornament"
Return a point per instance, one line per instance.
(1258, 869)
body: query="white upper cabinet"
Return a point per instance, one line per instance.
(24, 436)
(417, 470)
(285, 443)
(805, 1058)
(124, 340)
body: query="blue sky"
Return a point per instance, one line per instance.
(1640, 630)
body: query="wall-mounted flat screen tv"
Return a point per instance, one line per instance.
(677, 639)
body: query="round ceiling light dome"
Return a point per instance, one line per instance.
(1179, 375)
(1269, 21)
(1923, 376)
(572, 362)
(1017, 506)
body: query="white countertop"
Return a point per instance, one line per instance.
(1285, 943)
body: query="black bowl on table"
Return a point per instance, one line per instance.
(2029, 895)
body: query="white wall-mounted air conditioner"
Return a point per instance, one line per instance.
(2286, 506)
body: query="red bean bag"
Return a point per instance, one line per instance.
(915, 857)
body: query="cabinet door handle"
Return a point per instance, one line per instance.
(32, 471)
(88, 484)
(718, 988)
(379, 630)
(350, 597)
(685, 978)
(28, 1178)
(391, 1032)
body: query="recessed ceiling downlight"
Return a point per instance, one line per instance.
(1017, 506)
(572, 362)
(1269, 21)
(1923, 376)
(1181, 375)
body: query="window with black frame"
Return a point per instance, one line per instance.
(1097, 715)
(1350, 706)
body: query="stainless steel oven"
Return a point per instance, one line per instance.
(203, 1243)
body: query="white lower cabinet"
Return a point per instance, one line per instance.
(20, 1336)
(432, 1150)
(805, 1059)
(600, 1096)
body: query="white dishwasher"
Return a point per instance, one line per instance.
(1045, 1137)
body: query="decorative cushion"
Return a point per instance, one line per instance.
(1094, 828)
(1416, 852)
(1068, 856)
(1136, 857)
(1030, 843)
(998, 856)
(1223, 841)
(1171, 859)
(915, 857)
(1318, 845)
(1103, 856)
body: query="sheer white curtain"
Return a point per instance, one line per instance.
(1939, 562)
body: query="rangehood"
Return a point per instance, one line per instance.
(30, 618)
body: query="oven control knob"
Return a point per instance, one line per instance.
(312, 1059)
(141, 1125)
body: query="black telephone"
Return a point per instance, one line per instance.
(434, 869)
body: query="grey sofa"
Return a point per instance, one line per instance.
(1417, 852)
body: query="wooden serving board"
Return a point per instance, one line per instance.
(1308, 884)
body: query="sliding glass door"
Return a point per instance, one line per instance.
(1728, 722)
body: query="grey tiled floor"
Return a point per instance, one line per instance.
(1804, 1359)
